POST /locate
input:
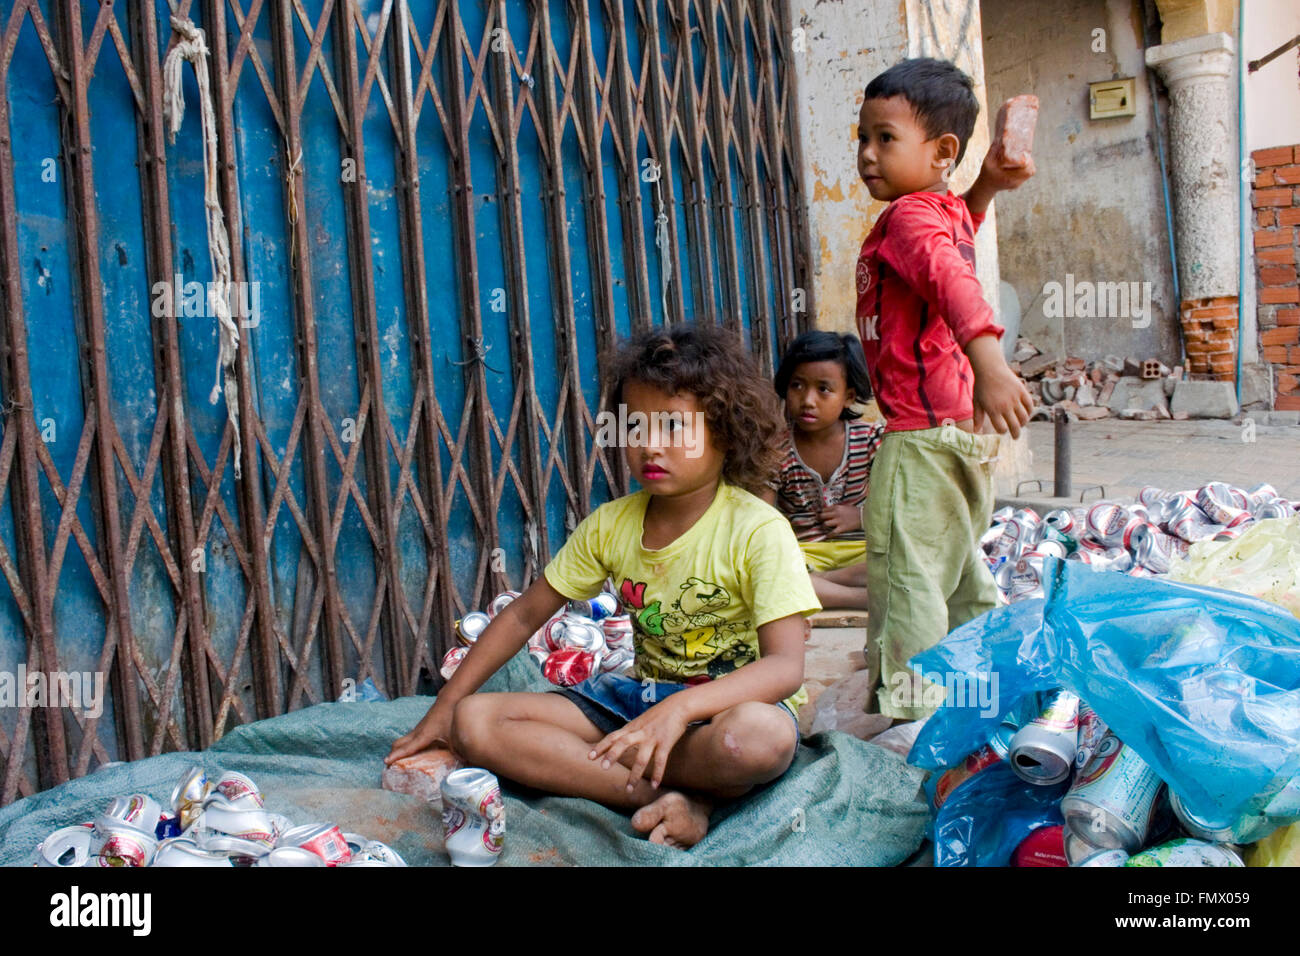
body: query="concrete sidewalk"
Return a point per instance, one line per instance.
(1122, 456)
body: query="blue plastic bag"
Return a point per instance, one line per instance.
(989, 815)
(1203, 683)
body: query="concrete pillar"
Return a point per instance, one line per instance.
(1200, 75)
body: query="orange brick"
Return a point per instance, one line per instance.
(1287, 384)
(1278, 255)
(1273, 237)
(1227, 322)
(1288, 316)
(1265, 178)
(1287, 217)
(1286, 175)
(1277, 275)
(1281, 296)
(1287, 403)
(1217, 312)
(1271, 197)
(1270, 353)
(1221, 337)
(1266, 218)
(1282, 335)
(1293, 354)
(1204, 348)
(1277, 156)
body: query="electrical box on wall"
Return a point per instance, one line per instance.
(1110, 98)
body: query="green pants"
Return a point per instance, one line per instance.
(930, 500)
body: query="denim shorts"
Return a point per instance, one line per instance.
(611, 700)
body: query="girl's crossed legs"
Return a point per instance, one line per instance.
(542, 740)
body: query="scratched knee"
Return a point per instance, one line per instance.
(757, 743)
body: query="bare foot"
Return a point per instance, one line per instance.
(674, 819)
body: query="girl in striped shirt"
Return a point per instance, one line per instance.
(828, 450)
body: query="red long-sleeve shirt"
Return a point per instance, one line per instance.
(919, 305)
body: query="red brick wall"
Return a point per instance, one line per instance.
(1276, 199)
(1210, 336)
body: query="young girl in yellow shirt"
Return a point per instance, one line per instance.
(716, 586)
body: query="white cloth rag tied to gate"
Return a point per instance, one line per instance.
(190, 46)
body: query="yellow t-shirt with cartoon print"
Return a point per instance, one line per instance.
(697, 604)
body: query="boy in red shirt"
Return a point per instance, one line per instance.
(936, 367)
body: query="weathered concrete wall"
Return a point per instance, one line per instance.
(1094, 210)
(844, 44)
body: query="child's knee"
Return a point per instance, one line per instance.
(472, 727)
(757, 741)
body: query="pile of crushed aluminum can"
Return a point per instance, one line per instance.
(1141, 539)
(581, 640)
(223, 824)
(1117, 811)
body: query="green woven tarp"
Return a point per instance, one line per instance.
(843, 802)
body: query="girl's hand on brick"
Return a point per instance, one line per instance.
(433, 729)
(839, 519)
(653, 734)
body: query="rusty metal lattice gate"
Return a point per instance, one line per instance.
(439, 213)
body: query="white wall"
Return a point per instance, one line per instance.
(1272, 93)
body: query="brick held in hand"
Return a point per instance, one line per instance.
(421, 774)
(1014, 131)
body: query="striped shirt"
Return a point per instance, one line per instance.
(801, 493)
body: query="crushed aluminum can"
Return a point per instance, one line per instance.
(469, 627)
(553, 632)
(1191, 524)
(1023, 577)
(251, 826)
(500, 601)
(1211, 831)
(1187, 853)
(189, 793)
(374, 853)
(169, 827)
(1112, 799)
(538, 650)
(451, 660)
(603, 605)
(66, 847)
(618, 631)
(1272, 509)
(619, 661)
(1114, 857)
(291, 856)
(586, 636)
(1155, 550)
(239, 791)
(1262, 492)
(1061, 521)
(1042, 752)
(324, 839)
(991, 536)
(184, 852)
(1091, 731)
(138, 810)
(1003, 515)
(569, 666)
(1112, 524)
(1044, 846)
(1223, 504)
(115, 843)
(473, 817)
(1052, 549)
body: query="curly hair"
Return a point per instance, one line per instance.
(743, 413)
